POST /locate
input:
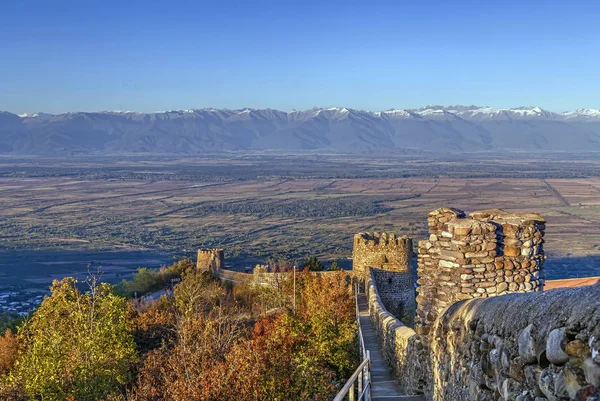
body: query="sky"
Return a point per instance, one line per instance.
(58, 56)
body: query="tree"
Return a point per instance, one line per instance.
(313, 264)
(198, 292)
(327, 312)
(76, 345)
(9, 346)
(334, 266)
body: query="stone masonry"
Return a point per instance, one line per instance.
(381, 250)
(387, 257)
(210, 260)
(488, 253)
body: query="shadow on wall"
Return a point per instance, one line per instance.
(572, 267)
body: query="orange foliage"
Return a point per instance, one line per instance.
(305, 355)
(9, 347)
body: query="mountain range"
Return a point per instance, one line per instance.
(431, 128)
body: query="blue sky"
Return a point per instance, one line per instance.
(58, 56)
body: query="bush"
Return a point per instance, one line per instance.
(334, 266)
(9, 346)
(10, 321)
(150, 280)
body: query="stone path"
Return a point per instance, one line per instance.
(384, 386)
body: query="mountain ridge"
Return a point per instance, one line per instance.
(432, 128)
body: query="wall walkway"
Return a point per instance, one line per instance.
(385, 386)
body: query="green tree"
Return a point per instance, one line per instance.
(334, 266)
(77, 345)
(313, 264)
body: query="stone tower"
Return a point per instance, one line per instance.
(387, 257)
(210, 260)
(382, 251)
(488, 253)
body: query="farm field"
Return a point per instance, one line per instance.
(264, 206)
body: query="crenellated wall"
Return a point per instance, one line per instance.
(387, 259)
(384, 251)
(210, 260)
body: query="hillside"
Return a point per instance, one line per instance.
(432, 128)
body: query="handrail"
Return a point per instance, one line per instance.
(350, 383)
(362, 374)
(361, 341)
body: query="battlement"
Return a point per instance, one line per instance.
(381, 240)
(210, 260)
(385, 251)
(388, 256)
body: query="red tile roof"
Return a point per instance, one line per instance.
(571, 282)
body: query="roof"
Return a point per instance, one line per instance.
(571, 282)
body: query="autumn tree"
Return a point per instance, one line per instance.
(327, 311)
(198, 292)
(76, 345)
(9, 345)
(276, 365)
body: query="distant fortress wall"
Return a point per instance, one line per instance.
(213, 260)
(210, 260)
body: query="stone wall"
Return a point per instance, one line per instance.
(526, 347)
(381, 250)
(401, 346)
(396, 291)
(210, 260)
(488, 253)
(390, 257)
(214, 260)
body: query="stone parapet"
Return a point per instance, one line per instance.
(524, 347)
(401, 346)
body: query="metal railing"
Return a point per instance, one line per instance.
(358, 386)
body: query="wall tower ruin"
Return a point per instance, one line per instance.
(488, 253)
(210, 260)
(387, 258)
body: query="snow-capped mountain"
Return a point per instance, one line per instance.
(432, 128)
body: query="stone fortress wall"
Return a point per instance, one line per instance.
(210, 260)
(488, 253)
(387, 258)
(213, 260)
(526, 345)
(381, 250)
(485, 329)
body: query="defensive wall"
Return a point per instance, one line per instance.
(387, 258)
(213, 260)
(526, 345)
(485, 329)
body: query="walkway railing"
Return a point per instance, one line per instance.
(358, 386)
